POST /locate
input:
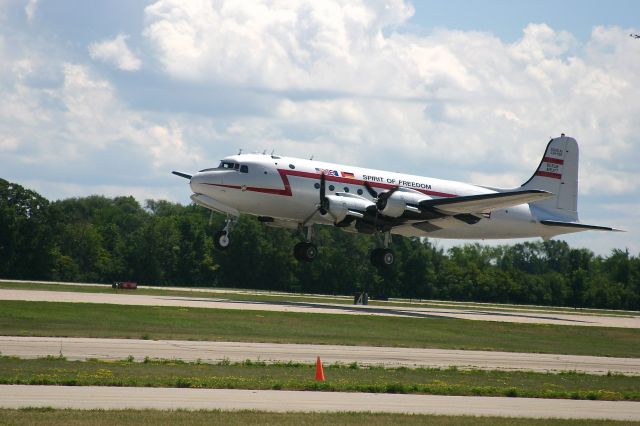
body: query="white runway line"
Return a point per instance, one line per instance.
(75, 348)
(95, 397)
(325, 308)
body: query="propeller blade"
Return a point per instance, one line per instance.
(184, 175)
(324, 201)
(370, 189)
(322, 190)
(388, 194)
(310, 216)
(381, 202)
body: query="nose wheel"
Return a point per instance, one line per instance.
(221, 240)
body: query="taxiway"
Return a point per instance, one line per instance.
(325, 308)
(75, 348)
(97, 397)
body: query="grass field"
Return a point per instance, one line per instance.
(288, 376)
(249, 295)
(94, 320)
(44, 416)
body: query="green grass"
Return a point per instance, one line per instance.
(48, 416)
(263, 296)
(24, 318)
(290, 376)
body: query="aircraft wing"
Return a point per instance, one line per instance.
(483, 203)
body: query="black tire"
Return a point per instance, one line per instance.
(305, 252)
(222, 240)
(382, 258)
(387, 258)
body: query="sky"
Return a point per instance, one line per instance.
(108, 97)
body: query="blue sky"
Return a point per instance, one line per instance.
(506, 19)
(109, 97)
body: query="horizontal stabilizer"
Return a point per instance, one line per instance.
(578, 226)
(184, 175)
(484, 203)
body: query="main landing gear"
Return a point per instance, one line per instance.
(221, 240)
(383, 257)
(306, 251)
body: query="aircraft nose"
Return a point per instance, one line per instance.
(200, 181)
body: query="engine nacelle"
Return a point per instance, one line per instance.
(343, 205)
(396, 204)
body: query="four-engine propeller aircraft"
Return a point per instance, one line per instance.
(298, 194)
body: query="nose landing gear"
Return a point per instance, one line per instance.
(221, 240)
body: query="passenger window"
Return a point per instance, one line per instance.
(359, 191)
(291, 166)
(346, 189)
(244, 169)
(331, 187)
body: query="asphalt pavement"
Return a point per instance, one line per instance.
(76, 348)
(97, 397)
(517, 316)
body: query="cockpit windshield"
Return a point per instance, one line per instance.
(229, 165)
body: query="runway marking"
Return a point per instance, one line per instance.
(95, 397)
(75, 348)
(326, 308)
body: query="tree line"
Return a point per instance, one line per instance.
(100, 239)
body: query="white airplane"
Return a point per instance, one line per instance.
(298, 194)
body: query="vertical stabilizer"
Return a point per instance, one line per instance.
(558, 173)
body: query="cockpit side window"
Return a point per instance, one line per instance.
(244, 168)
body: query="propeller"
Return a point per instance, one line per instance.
(323, 206)
(380, 199)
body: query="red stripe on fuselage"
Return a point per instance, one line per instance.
(553, 160)
(287, 186)
(549, 174)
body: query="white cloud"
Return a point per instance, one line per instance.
(115, 52)
(466, 95)
(30, 9)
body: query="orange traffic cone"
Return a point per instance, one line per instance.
(319, 371)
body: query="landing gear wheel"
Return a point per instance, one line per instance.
(305, 252)
(382, 258)
(221, 240)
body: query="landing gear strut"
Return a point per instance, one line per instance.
(221, 240)
(383, 258)
(306, 251)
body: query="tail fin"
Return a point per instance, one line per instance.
(558, 174)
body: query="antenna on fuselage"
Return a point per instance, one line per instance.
(272, 151)
(264, 152)
(240, 151)
(311, 158)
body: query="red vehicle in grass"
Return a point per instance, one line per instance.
(131, 285)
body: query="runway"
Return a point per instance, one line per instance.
(94, 397)
(111, 349)
(325, 308)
